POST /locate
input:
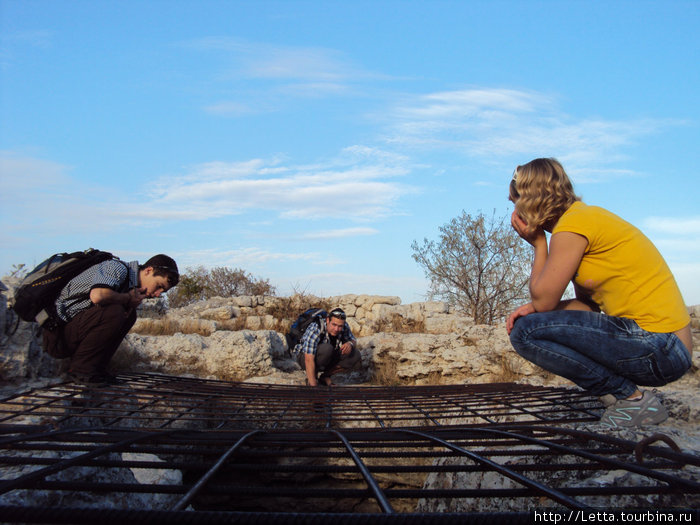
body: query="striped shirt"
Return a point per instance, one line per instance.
(314, 335)
(114, 274)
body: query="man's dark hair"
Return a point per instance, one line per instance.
(165, 266)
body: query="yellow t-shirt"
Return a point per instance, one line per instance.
(623, 270)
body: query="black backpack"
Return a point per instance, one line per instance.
(34, 299)
(302, 323)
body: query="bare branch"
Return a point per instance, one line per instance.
(479, 265)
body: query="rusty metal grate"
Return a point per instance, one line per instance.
(207, 451)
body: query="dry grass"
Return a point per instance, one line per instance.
(399, 324)
(171, 326)
(509, 372)
(385, 374)
(434, 378)
(289, 308)
(231, 325)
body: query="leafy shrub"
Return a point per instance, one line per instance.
(199, 283)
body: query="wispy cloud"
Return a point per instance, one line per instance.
(361, 191)
(676, 237)
(35, 194)
(13, 45)
(302, 63)
(230, 108)
(279, 72)
(249, 257)
(498, 123)
(272, 61)
(339, 233)
(362, 184)
(23, 173)
(673, 225)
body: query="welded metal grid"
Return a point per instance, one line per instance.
(232, 452)
(162, 402)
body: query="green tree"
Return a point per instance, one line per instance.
(199, 283)
(479, 265)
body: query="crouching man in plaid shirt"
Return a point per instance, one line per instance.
(97, 323)
(327, 346)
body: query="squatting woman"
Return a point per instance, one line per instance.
(628, 325)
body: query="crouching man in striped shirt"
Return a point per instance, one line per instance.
(97, 322)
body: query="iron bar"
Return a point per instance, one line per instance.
(198, 486)
(378, 494)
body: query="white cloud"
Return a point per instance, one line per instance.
(283, 70)
(229, 108)
(484, 104)
(678, 240)
(22, 173)
(360, 185)
(686, 275)
(13, 45)
(321, 65)
(36, 194)
(686, 226)
(242, 258)
(498, 123)
(362, 190)
(340, 233)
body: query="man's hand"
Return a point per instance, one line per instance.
(522, 311)
(136, 297)
(107, 296)
(346, 348)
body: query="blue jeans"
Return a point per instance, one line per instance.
(600, 353)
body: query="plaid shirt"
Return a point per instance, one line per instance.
(315, 335)
(112, 274)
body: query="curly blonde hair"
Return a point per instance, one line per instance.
(542, 192)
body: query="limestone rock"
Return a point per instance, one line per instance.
(223, 355)
(222, 313)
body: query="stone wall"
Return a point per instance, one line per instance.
(367, 314)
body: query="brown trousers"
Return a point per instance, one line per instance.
(91, 337)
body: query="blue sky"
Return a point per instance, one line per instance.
(311, 142)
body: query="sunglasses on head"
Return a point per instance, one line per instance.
(337, 312)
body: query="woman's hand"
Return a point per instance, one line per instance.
(522, 311)
(522, 229)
